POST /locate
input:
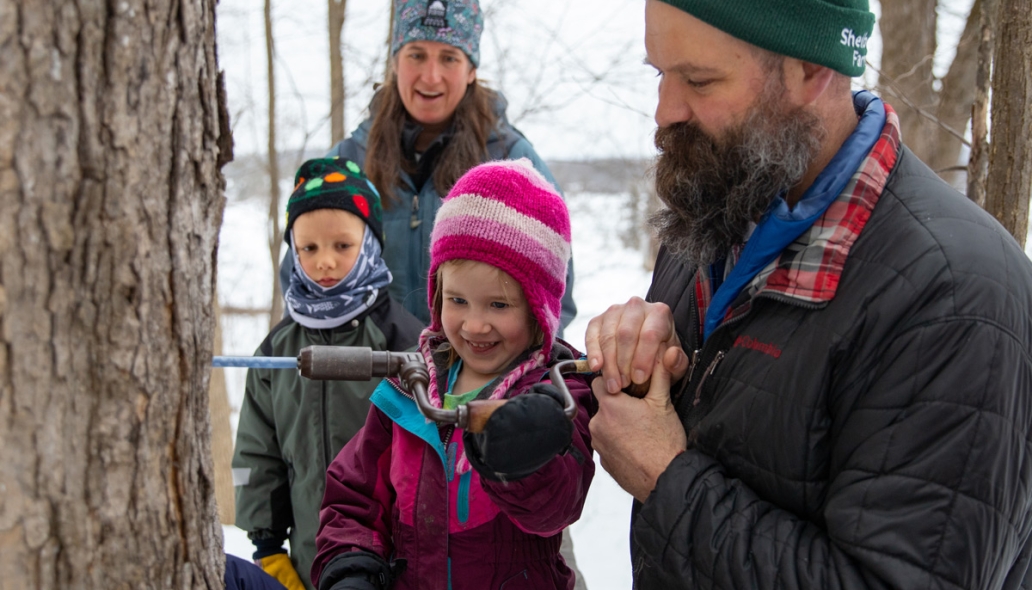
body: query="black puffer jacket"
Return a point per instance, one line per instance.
(878, 440)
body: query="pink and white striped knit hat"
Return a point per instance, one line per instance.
(506, 214)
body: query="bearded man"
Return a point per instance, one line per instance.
(837, 343)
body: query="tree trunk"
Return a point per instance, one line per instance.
(275, 233)
(978, 159)
(908, 46)
(955, 100)
(336, 10)
(1009, 184)
(112, 133)
(221, 433)
(388, 67)
(932, 122)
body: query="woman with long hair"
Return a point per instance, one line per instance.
(429, 122)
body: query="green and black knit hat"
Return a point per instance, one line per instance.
(832, 33)
(334, 183)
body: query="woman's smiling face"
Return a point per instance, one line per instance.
(432, 79)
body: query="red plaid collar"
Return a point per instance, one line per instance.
(808, 270)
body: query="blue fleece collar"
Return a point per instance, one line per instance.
(781, 224)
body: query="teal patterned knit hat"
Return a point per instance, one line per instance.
(832, 33)
(455, 22)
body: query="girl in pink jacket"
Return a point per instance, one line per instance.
(410, 504)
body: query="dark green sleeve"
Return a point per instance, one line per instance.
(260, 475)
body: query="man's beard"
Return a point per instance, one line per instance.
(713, 188)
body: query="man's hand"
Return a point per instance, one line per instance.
(637, 438)
(627, 340)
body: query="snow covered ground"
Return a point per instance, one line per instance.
(607, 272)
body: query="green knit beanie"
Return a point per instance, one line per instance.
(832, 33)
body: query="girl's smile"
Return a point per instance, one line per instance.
(485, 317)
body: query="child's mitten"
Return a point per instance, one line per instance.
(356, 570)
(521, 436)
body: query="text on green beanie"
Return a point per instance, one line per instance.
(832, 33)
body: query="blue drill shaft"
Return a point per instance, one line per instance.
(256, 362)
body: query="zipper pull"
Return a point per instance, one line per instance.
(709, 371)
(692, 361)
(414, 221)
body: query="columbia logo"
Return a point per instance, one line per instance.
(754, 344)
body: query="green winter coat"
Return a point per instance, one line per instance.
(291, 428)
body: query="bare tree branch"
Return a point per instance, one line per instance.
(275, 234)
(921, 111)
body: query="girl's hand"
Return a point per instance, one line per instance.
(521, 436)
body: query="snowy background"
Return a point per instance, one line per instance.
(607, 272)
(572, 72)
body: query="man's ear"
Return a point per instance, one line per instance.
(805, 82)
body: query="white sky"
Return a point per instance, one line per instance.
(577, 64)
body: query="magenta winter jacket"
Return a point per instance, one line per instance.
(393, 491)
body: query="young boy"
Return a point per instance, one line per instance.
(291, 428)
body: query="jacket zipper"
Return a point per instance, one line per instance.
(693, 361)
(713, 359)
(709, 371)
(415, 220)
(326, 428)
(707, 357)
(451, 429)
(327, 442)
(400, 390)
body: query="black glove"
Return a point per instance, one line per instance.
(356, 570)
(521, 436)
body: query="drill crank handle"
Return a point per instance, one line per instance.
(474, 415)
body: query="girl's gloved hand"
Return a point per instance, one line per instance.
(357, 570)
(521, 436)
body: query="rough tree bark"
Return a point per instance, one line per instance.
(111, 199)
(978, 159)
(336, 14)
(1009, 183)
(275, 233)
